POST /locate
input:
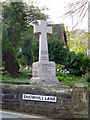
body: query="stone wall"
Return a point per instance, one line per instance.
(71, 103)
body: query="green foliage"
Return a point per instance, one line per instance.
(72, 80)
(57, 51)
(24, 77)
(25, 55)
(23, 59)
(35, 13)
(77, 64)
(0, 32)
(25, 73)
(59, 68)
(9, 56)
(78, 41)
(8, 79)
(35, 51)
(4, 33)
(87, 77)
(30, 47)
(14, 17)
(63, 79)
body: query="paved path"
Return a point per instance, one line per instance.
(5, 114)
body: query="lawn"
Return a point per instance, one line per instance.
(71, 80)
(25, 76)
(10, 80)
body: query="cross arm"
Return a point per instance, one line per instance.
(49, 30)
(36, 29)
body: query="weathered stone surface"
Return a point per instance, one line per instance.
(43, 29)
(44, 73)
(44, 69)
(71, 103)
(44, 81)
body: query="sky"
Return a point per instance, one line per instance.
(56, 9)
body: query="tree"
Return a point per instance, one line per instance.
(57, 51)
(29, 49)
(11, 62)
(35, 13)
(16, 28)
(81, 38)
(17, 15)
(78, 8)
(14, 17)
(12, 27)
(77, 64)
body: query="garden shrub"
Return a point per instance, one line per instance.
(25, 73)
(77, 64)
(64, 79)
(11, 63)
(56, 48)
(57, 51)
(87, 77)
(60, 78)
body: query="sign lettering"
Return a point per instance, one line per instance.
(39, 98)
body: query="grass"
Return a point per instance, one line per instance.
(71, 80)
(23, 78)
(25, 75)
(68, 80)
(9, 79)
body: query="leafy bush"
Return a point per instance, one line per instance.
(65, 79)
(29, 53)
(77, 64)
(25, 73)
(59, 68)
(87, 77)
(60, 78)
(57, 51)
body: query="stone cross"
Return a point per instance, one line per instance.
(43, 29)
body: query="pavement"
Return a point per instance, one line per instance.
(7, 115)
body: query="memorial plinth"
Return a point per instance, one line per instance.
(43, 71)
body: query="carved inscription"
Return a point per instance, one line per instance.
(47, 68)
(44, 52)
(44, 55)
(43, 29)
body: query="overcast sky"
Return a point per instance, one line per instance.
(56, 8)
